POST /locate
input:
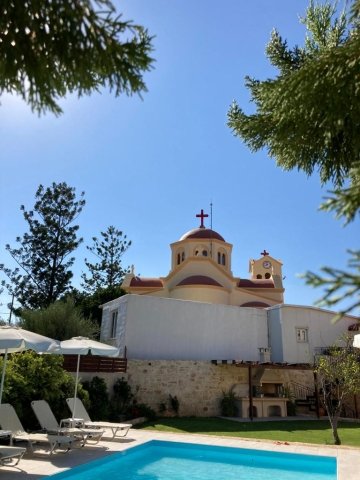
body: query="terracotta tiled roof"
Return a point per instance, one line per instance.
(199, 280)
(244, 283)
(146, 282)
(205, 233)
(255, 305)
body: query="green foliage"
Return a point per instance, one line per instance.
(36, 377)
(304, 122)
(340, 284)
(228, 404)
(99, 399)
(124, 404)
(107, 272)
(142, 410)
(51, 48)
(89, 304)
(122, 398)
(338, 375)
(174, 404)
(301, 117)
(61, 320)
(44, 271)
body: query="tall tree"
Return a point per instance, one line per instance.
(49, 48)
(308, 118)
(43, 255)
(108, 271)
(338, 375)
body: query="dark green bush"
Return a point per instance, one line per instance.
(228, 404)
(29, 377)
(99, 408)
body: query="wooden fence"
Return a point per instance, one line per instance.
(94, 363)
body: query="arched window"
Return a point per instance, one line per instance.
(183, 256)
(178, 259)
(267, 275)
(204, 253)
(223, 259)
(259, 276)
(219, 258)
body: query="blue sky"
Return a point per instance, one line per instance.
(148, 166)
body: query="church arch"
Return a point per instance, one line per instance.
(222, 257)
(201, 251)
(180, 256)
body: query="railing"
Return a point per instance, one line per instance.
(300, 392)
(94, 363)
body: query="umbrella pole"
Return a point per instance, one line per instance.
(76, 384)
(3, 375)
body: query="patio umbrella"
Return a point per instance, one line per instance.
(83, 346)
(357, 341)
(15, 339)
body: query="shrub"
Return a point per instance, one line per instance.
(228, 404)
(99, 400)
(37, 377)
(174, 404)
(61, 320)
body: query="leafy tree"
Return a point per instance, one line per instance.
(90, 303)
(50, 48)
(303, 120)
(338, 375)
(44, 271)
(61, 320)
(107, 272)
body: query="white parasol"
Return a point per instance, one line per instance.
(83, 346)
(15, 339)
(357, 341)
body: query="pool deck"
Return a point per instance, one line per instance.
(37, 466)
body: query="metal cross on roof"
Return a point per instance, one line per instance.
(264, 253)
(202, 215)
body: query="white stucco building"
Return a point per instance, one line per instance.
(201, 311)
(156, 328)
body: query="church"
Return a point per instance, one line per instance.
(185, 333)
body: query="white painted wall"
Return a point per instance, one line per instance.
(155, 328)
(322, 331)
(163, 328)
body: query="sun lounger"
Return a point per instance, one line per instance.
(10, 421)
(118, 429)
(49, 423)
(11, 456)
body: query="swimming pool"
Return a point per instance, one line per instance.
(160, 460)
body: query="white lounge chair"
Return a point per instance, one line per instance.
(10, 421)
(11, 456)
(118, 429)
(49, 423)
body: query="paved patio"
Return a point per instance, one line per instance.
(38, 466)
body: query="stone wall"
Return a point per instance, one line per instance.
(198, 385)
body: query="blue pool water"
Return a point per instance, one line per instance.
(157, 460)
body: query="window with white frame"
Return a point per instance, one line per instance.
(302, 335)
(114, 317)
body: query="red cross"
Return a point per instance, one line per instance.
(202, 215)
(264, 253)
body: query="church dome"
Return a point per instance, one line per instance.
(202, 233)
